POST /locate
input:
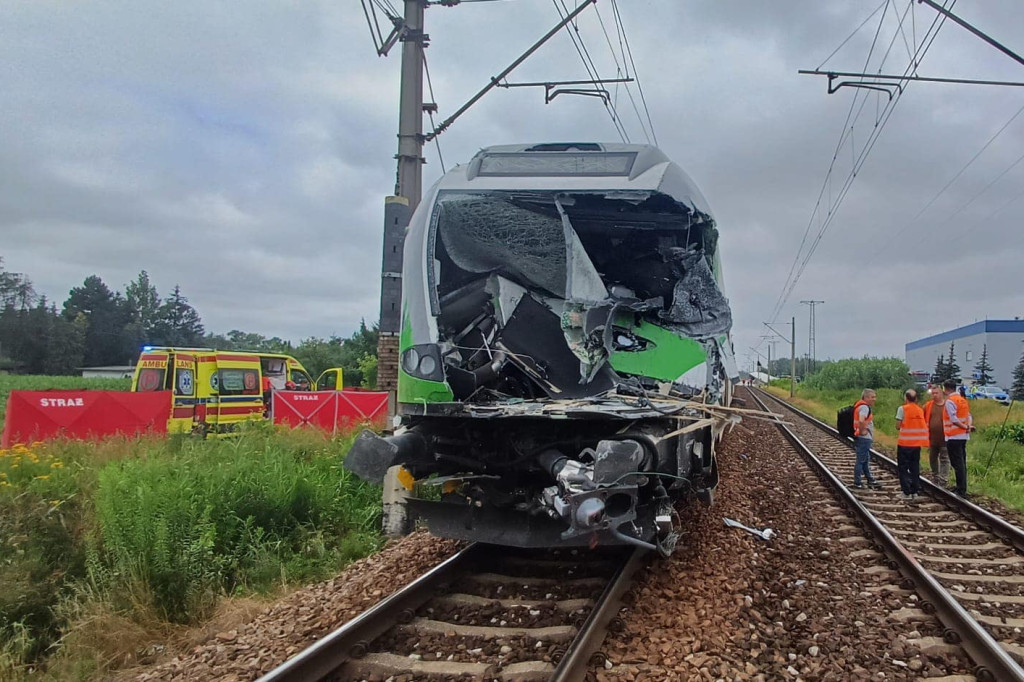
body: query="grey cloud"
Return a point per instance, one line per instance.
(232, 144)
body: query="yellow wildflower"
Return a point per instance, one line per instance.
(43, 477)
(56, 464)
(4, 484)
(15, 465)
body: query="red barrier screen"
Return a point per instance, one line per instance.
(329, 410)
(39, 415)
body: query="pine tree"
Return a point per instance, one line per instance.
(983, 370)
(143, 304)
(1017, 389)
(939, 375)
(178, 323)
(952, 369)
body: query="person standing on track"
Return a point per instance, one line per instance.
(957, 427)
(913, 430)
(938, 457)
(864, 436)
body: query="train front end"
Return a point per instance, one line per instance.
(564, 351)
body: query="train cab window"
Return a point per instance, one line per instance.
(239, 382)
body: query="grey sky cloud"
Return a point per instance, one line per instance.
(247, 147)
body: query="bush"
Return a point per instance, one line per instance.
(222, 516)
(41, 554)
(860, 373)
(1010, 432)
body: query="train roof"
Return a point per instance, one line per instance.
(576, 166)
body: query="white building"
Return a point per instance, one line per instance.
(108, 372)
(1003, 338)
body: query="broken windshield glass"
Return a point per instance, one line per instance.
(535, 291)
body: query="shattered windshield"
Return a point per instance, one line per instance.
(556, 284)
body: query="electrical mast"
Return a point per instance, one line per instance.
(398, 208)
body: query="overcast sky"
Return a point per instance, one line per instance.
(243, 150)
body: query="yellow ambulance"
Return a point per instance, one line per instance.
(212, 391)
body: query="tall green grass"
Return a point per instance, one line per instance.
(167, 527)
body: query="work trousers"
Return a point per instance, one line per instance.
(938, 459)
(863, 466)
(958, 460)
(908, 460)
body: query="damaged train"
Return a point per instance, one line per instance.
(565, 342)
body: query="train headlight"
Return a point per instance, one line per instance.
(411, 360)
(427, 365)
(423, 362)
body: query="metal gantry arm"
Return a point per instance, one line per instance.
(553, 89)
(877, 80)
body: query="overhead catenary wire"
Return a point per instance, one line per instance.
(858, 161)
(827, 181)
(620, 71)
(950, 182)
(963, 233)
(629, 52)
(584, 54)
(855, 31)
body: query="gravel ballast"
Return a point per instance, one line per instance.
(815, 602)
(304, 616)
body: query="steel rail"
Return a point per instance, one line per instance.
(992, 661)
(574, 663)
(319, 660)
(995, 524)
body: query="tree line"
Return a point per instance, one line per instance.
(97, 326)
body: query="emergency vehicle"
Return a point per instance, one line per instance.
(213, 390)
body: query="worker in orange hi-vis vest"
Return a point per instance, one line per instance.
(913, 430)
(863, 437)
(957, 426)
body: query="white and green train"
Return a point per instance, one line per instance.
(564, 336)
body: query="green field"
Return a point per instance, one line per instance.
(106, 547)
(1002, 479)
(20, 382)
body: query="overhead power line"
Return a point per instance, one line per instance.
(949, 183)
(799, 265)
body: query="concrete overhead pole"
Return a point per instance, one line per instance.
(408, 189)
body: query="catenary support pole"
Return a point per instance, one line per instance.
(408, 188)
(792, 358)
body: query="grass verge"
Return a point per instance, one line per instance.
(139, 536)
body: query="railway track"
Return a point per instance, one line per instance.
(966, 563)
(487, 613)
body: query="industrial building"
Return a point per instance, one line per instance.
(1004, 339)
